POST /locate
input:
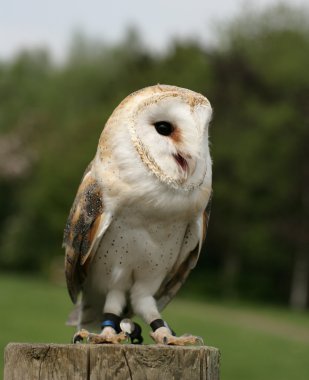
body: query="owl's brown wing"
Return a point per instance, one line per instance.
(192, 243)
(85, 226)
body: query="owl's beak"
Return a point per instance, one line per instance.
(181, 161)
(186, 163)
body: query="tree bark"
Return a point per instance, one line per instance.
(299, 286)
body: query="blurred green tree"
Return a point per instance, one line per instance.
(260, 149)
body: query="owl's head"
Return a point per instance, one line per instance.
(168, 128)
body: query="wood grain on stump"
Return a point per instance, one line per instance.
(109, 362)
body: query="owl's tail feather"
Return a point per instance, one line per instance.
(74, 316)
(84, 317)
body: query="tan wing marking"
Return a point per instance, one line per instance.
(206, 216)
(174, 282)
(81, 231)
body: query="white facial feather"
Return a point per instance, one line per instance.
(145, 160)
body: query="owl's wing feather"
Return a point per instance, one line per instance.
(85, 226)
(194, 237)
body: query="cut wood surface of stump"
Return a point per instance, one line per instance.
(109, 362)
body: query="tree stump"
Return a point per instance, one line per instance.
(110, 362)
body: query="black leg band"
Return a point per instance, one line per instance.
(157, 323)
(111, 320)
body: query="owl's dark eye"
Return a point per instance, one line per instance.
(164, 128)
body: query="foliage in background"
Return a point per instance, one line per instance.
(257, 80)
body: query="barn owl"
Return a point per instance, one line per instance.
(140, 215)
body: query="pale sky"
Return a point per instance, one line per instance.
(51, 23)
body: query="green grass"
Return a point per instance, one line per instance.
(255, 342)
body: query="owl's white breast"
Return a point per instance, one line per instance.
(133, 250)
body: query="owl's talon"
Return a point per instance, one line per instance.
(107, 337)
(163, 335)
(91, 338)
(80, 336)
(77, 339)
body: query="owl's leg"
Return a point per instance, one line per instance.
(114, 328)
(145, 306)
(111, 331)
